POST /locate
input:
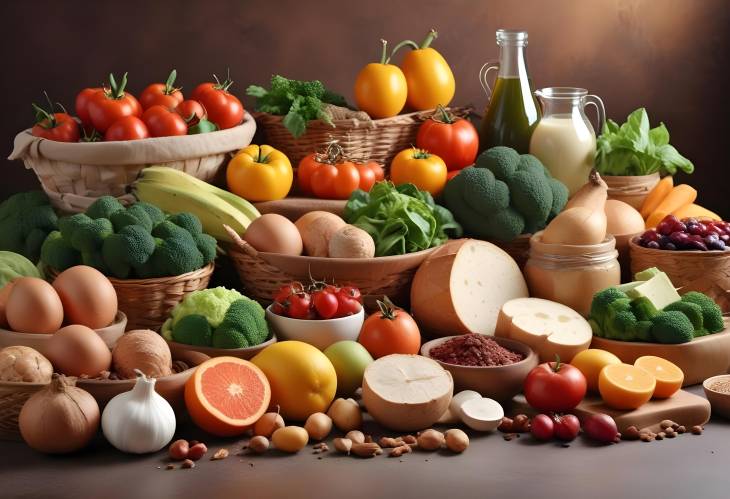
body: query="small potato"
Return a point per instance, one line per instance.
(430, 440)
(268, 424)
(456, 440)
(290, 439)
(318, 425)
(258, 444)
(346, 414)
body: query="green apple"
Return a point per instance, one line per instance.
(350, 360)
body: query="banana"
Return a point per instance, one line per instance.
(171, 176)
(212, 211)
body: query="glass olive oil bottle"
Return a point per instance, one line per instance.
(512, 112)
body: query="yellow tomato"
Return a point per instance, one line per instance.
(260, 173)
(590, 362)
(429, 77)
(427, 171)
(625, 387)
(381, 88)
(303, 380)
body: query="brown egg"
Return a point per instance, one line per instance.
(34, 307)
(77, 350)
(4, 295)
(274, 233)
(87, 295)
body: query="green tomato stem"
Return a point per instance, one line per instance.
(558, 365)
(402, 44)
(169, 88)
(432, 35)
(421, 154)
(387, 309)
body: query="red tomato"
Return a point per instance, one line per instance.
(567, 427)
(281, 298)
(306, 168)
(555, 387)
(223, 108)
(164, 122)
(60, 127)
(390, 331)
(542, 427)
(335, 181)
(300, 305)
(347, 306)
(127, 128)
(162, 94)
(112, 104)
(600, 427)
(455, 140)
(191, 111)
(201, 89)
(367, 177)
(351, 292)
(325, 303)
(82, 104)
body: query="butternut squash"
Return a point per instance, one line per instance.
(592, 195)
(656, 196)
(695, 211)
(680, 196)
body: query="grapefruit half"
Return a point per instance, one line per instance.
(225, 396)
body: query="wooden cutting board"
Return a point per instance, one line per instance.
(295, 207)
(683, 407)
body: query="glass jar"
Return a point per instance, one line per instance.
(571, 274)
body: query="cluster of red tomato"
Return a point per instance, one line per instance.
(161, 111)
(317, 301)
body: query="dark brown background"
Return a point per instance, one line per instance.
(667, 55)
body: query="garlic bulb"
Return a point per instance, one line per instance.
(140, 420)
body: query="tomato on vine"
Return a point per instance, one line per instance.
(223, 108)
(162, 94)
(325, 303)
(60, 127)
(191, 111)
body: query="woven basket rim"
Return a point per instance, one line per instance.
(157, 280)
(325, 259)
(634, 245)
(348, 122)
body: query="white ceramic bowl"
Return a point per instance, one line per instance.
(319, 333)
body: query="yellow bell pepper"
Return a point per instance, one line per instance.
(429, 77)
(259, 173)
(380, 88)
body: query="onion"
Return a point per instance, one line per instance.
(577, 226)
(59, 418)
(144, 350)
(20, 363)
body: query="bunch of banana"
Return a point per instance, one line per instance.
(174, 191)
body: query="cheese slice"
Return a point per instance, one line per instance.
(406, 392)
(461, 287)
(547, 327)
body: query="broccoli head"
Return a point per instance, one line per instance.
(155, 214)
(531, 195)
(132, 246)
(96, 260)
(693, 313)
(57, 253)
(207, 245)
(643, 308)
(671, 327)
(193, 330)
(482, 192)
(501, 160)
(104, 207)
(620, 322)
(131, 216)
(244, 325)
(168, 229)
(600, 303)
(89, 235)
(26, 219)
(187, 221)
(175, 256)
(711, 312)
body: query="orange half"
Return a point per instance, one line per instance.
(225, 395)
(626, 387)
(669, 377)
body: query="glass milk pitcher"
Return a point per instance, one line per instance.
(564, 139)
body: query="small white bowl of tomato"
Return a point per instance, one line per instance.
(318, 315)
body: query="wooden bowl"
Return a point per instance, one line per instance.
(172, 387)
(699, 359)
(294, 207)
(720, 401)
(631, 189)
(241, 353)
(496, 382)
(39, 342)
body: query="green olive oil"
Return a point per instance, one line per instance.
(511, 116)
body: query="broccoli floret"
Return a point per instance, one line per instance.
(139, 243)
(244, 325)
(104, 207)
(57, 253)
(643, 308)
(530, 163)
(502, 161)
(693, 313)
(620, 322)
(472, 222)
(26, 219)
(89, 236)
(193, 330)
(131, 216)
(482, 192)
(33, 244)
(21, 201)
(167, 230)
(207, 245)
(187, 221)
(505, 225)
(600, 304)
(560, 196)
(156, 215)
(643, 331)
(177, 256)
(148, 269)
(114, 254)
(671, 327)
(211, 302)
(94, 259)
(711, 312)
(531, 194)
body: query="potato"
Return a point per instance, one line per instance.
(290, 439)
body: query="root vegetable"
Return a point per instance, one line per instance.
(600, 427)
(60, 418)
(316, 234)
(343, 445)
(258, 444)
(346, 414)
(19, 363)
(290, 439)
(268, 424)
(142, 349)
(456, 440)
(431, 440)
(351, 242)
(356, 436)
(318, 425)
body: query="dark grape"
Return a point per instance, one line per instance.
(717, 245)
(650, 235)
(653, 244)
(698, 228)
(679, 238)
(670, 247)
(664, 227)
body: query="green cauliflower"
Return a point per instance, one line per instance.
(104, 207)
(187, 221)
(711, 313)
(57, 253)
(244, 325)
(693, 313)
(212, 303)
(193, 330)
(504, 195)
(26, 219)
(672, 327)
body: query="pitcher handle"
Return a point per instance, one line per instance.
(484, 72)
(594, 100)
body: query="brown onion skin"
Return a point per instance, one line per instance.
(60, 418)
(142, 349)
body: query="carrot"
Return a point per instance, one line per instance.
(680, 196)
(656, 196)
(695, 211)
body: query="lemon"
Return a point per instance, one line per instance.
(590, 362)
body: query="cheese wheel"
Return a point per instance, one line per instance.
(461, 287)
(406, 392)
(547, 327)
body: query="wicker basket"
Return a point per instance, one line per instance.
(13, 396)
(378, 140)
(147, 302)
(631, 189)
(75, 174)
(704, 271)
(262, 274)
